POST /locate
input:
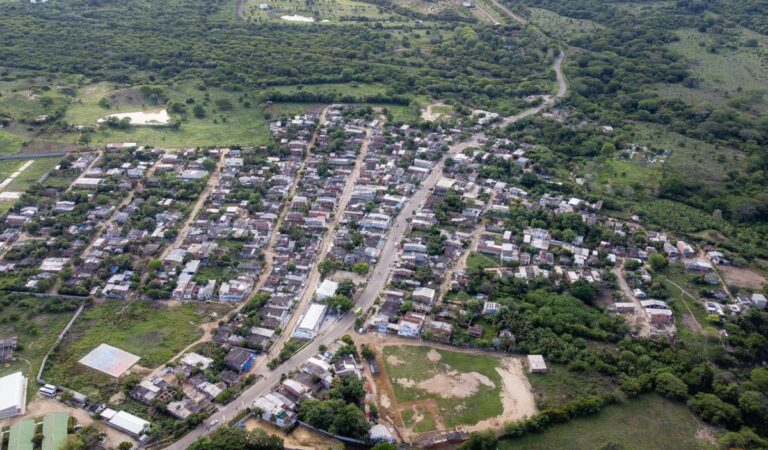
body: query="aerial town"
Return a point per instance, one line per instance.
(383, 224)
(312, 261)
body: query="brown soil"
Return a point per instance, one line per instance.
(741, 277)
(300, 438)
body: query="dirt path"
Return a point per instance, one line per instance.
(212, 182)
(692, 322)
(640, 318)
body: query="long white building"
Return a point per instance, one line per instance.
(310, 322)
(13, 395)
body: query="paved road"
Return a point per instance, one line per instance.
(376, 282)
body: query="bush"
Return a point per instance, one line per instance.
(671, 386)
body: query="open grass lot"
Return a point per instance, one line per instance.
(690, 157)
(9, 166)
(35, 322)
(152, 331)
(624, 176)
(9, 144)
(32, 174)
(324, 11)
(466, 388)
(564, 28)
(230, 118)
(560, 385)
(729, 72)
(649, 422)
(477, 260)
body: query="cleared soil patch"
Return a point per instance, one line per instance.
(745, 278)
(299, 438)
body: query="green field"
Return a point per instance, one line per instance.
(152, 331)
(35, 323)
(243, 124)
(730, 72)
(561, 27)
(479, 261)
(412, 364)
(560, 385)
(32, 174)
(649, 422)
(323, 11)
(10, 144)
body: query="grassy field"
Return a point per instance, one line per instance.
(32, 174)
(243, 124)
(477, 260)
(35, 323)
(323, 11)
(408, 366)
(10, 144)
(649, 422)
(625, 177)
(730, 71)
(152, 331)
(560, 385)
(561, 27)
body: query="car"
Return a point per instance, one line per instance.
(213, 423)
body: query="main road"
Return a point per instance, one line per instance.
(375, 284)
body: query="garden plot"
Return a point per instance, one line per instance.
(424, 389)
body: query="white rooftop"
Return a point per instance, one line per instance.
(13, 393)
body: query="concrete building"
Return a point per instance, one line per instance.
(310, 322)
(13, 395)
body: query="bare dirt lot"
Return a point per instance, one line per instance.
(746, 278)
(300, 438)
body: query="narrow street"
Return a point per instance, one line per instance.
(641, 322)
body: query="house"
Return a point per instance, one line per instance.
(685, 250)
(759, 300)
(440, 331)
(194, 360)
(327, 289)
(410, 325)
(490, 308)
(235, 290)
(536, 364)
(424, 298)
(239, 360)
(123, 421)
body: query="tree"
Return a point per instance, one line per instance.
(671, 386)
(198, 111)
(485, 440)
(714, 411)
(348, 389)
(125, 446)
(226, 438)
(657, 261)
(360, 268)
(340, 304)
(155, 264)
(582, 290)
(384, 446)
